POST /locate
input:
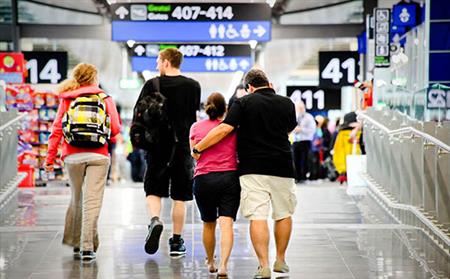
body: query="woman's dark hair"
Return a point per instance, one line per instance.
(240, 86)
(215, 106)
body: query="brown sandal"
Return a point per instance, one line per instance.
(222, 276)
(211, 267)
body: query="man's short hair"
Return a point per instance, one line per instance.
(256, 78)
(173, 55)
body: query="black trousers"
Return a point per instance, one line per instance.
(301, 151)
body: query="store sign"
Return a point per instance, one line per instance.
(46, 66)
(315, 98)
(191, 22)
(338, 68)
(438, 98)
(404, 14)
(396, 33)
(382, 38)
(12, 67)
(196, 57)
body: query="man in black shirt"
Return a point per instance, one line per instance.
(263, 121)
(171, 163)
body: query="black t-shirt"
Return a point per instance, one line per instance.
(231, 101)
(183, 101)
(263, 121)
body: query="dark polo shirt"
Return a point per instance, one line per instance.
(263, 121)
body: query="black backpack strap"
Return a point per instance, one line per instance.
(156, 85)
(157, 88)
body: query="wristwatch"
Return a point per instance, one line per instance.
(195, 151)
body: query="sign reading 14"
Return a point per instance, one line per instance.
(49, 72)
(192, 12)
(333, 70)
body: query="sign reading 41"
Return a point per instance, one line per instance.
(338, 68)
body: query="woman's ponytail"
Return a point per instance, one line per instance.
(68, 85)
(215, 106)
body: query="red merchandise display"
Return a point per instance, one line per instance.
(41, 108)
(29, 180)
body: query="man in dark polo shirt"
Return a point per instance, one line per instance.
(263, 121)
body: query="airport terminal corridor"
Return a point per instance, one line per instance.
(335, 113)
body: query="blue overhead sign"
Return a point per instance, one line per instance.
(193, 50)
(196, 57)
(171, 11)
(191, 22)
(197, 64)
(236, 31)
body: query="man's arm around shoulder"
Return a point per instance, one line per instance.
(214, 136)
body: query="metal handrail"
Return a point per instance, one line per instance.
(406, 130)
(392, 204)
(9, 123)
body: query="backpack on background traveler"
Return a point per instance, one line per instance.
(86, 123)
(330, 170)
(150, 120)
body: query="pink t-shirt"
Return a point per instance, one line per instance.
(219, 157)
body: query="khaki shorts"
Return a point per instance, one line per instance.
(259, 191)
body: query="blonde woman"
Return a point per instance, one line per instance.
(87, 118)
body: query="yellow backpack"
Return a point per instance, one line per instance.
(86, 123)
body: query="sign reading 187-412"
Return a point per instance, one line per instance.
(197, 57)
(191, 22)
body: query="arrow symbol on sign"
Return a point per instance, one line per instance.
(139, 50)
(244, 64)
(260, 31)
(122, 12)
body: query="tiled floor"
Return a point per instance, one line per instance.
(334, 236)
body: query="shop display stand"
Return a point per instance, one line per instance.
(41, 108)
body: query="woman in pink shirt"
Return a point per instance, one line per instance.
(216, 184)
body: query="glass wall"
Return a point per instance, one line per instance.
(49, 13)
(5, 11)
(407, 91)
(351, 12)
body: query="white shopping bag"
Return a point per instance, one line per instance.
(356, 165)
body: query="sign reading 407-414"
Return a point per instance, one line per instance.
(191, 22)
